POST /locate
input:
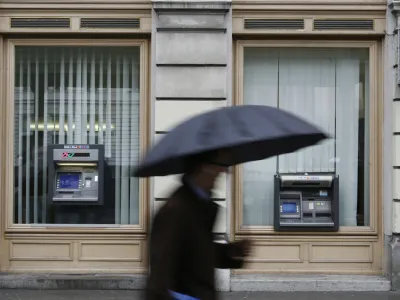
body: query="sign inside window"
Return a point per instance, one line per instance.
(75, 154)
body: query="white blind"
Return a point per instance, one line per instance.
(322, 86)
(76, 96)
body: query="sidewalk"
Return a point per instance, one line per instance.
(138, 295)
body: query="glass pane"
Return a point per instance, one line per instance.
(330, 88)
(76, 95)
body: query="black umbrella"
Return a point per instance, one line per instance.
(250, 132)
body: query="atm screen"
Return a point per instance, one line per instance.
(289, 208)
(69, 181)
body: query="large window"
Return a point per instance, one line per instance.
(76, 95)
(330, 88)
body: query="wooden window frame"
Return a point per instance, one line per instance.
(7, 123)
(375, 141)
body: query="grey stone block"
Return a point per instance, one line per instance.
(305, 283)
(395, 257)
(191, 21)
(201, 6)
(222, 280)
(138, 295)
(191, 82)
(388, 256)
(191, 48)
(90, 282)
(72, 282)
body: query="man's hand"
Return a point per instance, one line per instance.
(241, 249)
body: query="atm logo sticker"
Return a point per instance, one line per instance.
(76, 147)
(308, 177)
(67, 154)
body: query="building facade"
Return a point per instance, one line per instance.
(123, 73)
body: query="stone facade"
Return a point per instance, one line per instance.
(392, 225)
(192, 71)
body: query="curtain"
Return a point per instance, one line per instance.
(260, 87)
(76, 95)
(364, 155)
(307, 89)
(321, 86)
(347, 112)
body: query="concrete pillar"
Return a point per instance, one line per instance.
(191, 73)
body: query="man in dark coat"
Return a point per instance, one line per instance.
(183, 254)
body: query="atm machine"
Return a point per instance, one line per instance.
(306, 202)
(76, 175)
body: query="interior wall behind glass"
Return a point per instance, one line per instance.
(327, 87)
(76, 95)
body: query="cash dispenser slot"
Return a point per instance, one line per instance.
(306, 202)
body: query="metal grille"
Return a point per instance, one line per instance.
(110, 23)
(40, 22)
(343, 24)
(274, 24)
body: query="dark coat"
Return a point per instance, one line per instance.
(183, 254)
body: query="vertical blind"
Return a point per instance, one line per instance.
(75, 95)
(322, 86)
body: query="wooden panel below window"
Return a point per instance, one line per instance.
(339, 253)
(76, 256)
(313, 257)
(40, 251)
(111, 251)
(277, 253)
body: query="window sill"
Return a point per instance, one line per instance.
(343, 231)
(49, 229)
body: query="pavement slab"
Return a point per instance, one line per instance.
(138, 295)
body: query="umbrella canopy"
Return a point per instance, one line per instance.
(249, 132)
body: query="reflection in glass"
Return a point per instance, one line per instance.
(76, 95)
(330, 88)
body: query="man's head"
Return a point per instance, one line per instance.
(207, 167)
